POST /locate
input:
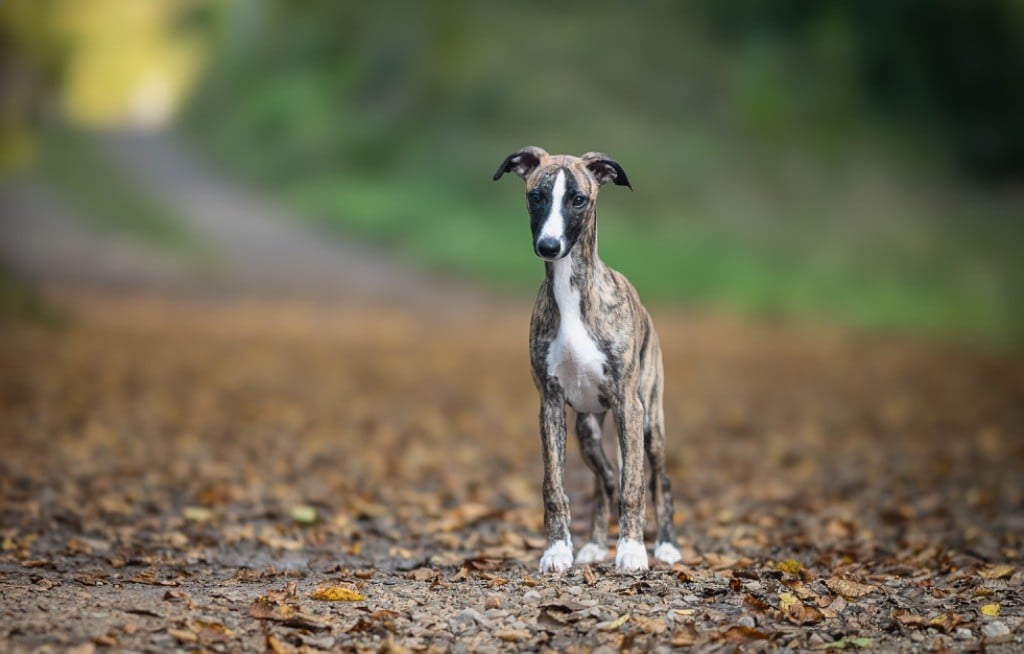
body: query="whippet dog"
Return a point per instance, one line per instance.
(593, 347)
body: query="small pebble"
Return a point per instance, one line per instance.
(747, 621)
(492, 602)
(531, 595)
(963, 633)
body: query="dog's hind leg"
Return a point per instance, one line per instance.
(588, 430)
(654, 442)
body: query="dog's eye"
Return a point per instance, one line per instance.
(534, 199)
(579, 201)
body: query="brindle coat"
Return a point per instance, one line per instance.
(630, 383)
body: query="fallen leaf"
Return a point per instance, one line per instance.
(685, 637)
(945, 621)
(336, 594)
(990, 610)
(182, 635)
(848, 588)
(612, 625)
(787, 600)
(908, 618)
(588, 575)
(650, 625)
(212, 632)
(791, 567)
(740, 632)
(278, 646)
(996, 571)
(756, 602)
(303, 514)
(512, 635)
(197, 514)
(796, 611)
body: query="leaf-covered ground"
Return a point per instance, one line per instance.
(191, 475)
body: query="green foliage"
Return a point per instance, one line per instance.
(766, 179)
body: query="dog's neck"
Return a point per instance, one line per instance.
(576, 276)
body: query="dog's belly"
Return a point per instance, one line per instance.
(576, 362)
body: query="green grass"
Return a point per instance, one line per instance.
(950, 276)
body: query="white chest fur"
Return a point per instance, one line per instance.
(573, 357)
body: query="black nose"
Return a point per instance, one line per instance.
(549, 247)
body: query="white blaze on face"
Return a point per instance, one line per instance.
(554, 225)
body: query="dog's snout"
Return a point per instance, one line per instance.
(549, 247)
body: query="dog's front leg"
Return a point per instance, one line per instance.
(558, 556)
(630, 554)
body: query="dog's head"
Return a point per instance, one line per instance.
(561, 193)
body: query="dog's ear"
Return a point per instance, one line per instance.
(606, 170)
(522, 162)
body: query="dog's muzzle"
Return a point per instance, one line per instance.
(549, 248)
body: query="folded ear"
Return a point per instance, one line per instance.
(606, 170)
(523, 162)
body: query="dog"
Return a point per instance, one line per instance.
(592, 347)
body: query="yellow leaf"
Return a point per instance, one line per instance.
(786, 600)
(303, 514)
(197, 513)
(791, 567)
(336, 594)
(991, 610)
(613, 624)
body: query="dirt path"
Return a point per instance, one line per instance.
(184, 471)
(251, 247)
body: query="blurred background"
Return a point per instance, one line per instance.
(854, 163)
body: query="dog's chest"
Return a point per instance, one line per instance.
(574, 358)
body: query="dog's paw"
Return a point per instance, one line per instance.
(591, 553)
(557, 557)
(630, 556)
(667, 553)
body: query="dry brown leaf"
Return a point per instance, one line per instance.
(996, 571)
(183, 635)
(796, 611)
(685, 637)
(588, 575)
(756, 602)
(848, 588)
(908, 618)
(512, 635)
(278, 646)
(650, 625)
(945, 621)
(738, 633)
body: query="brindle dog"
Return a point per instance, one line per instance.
(593, 347)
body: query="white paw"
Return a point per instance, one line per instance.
(667, 552)
(591, 553)
(630, 556)
(557, 557)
